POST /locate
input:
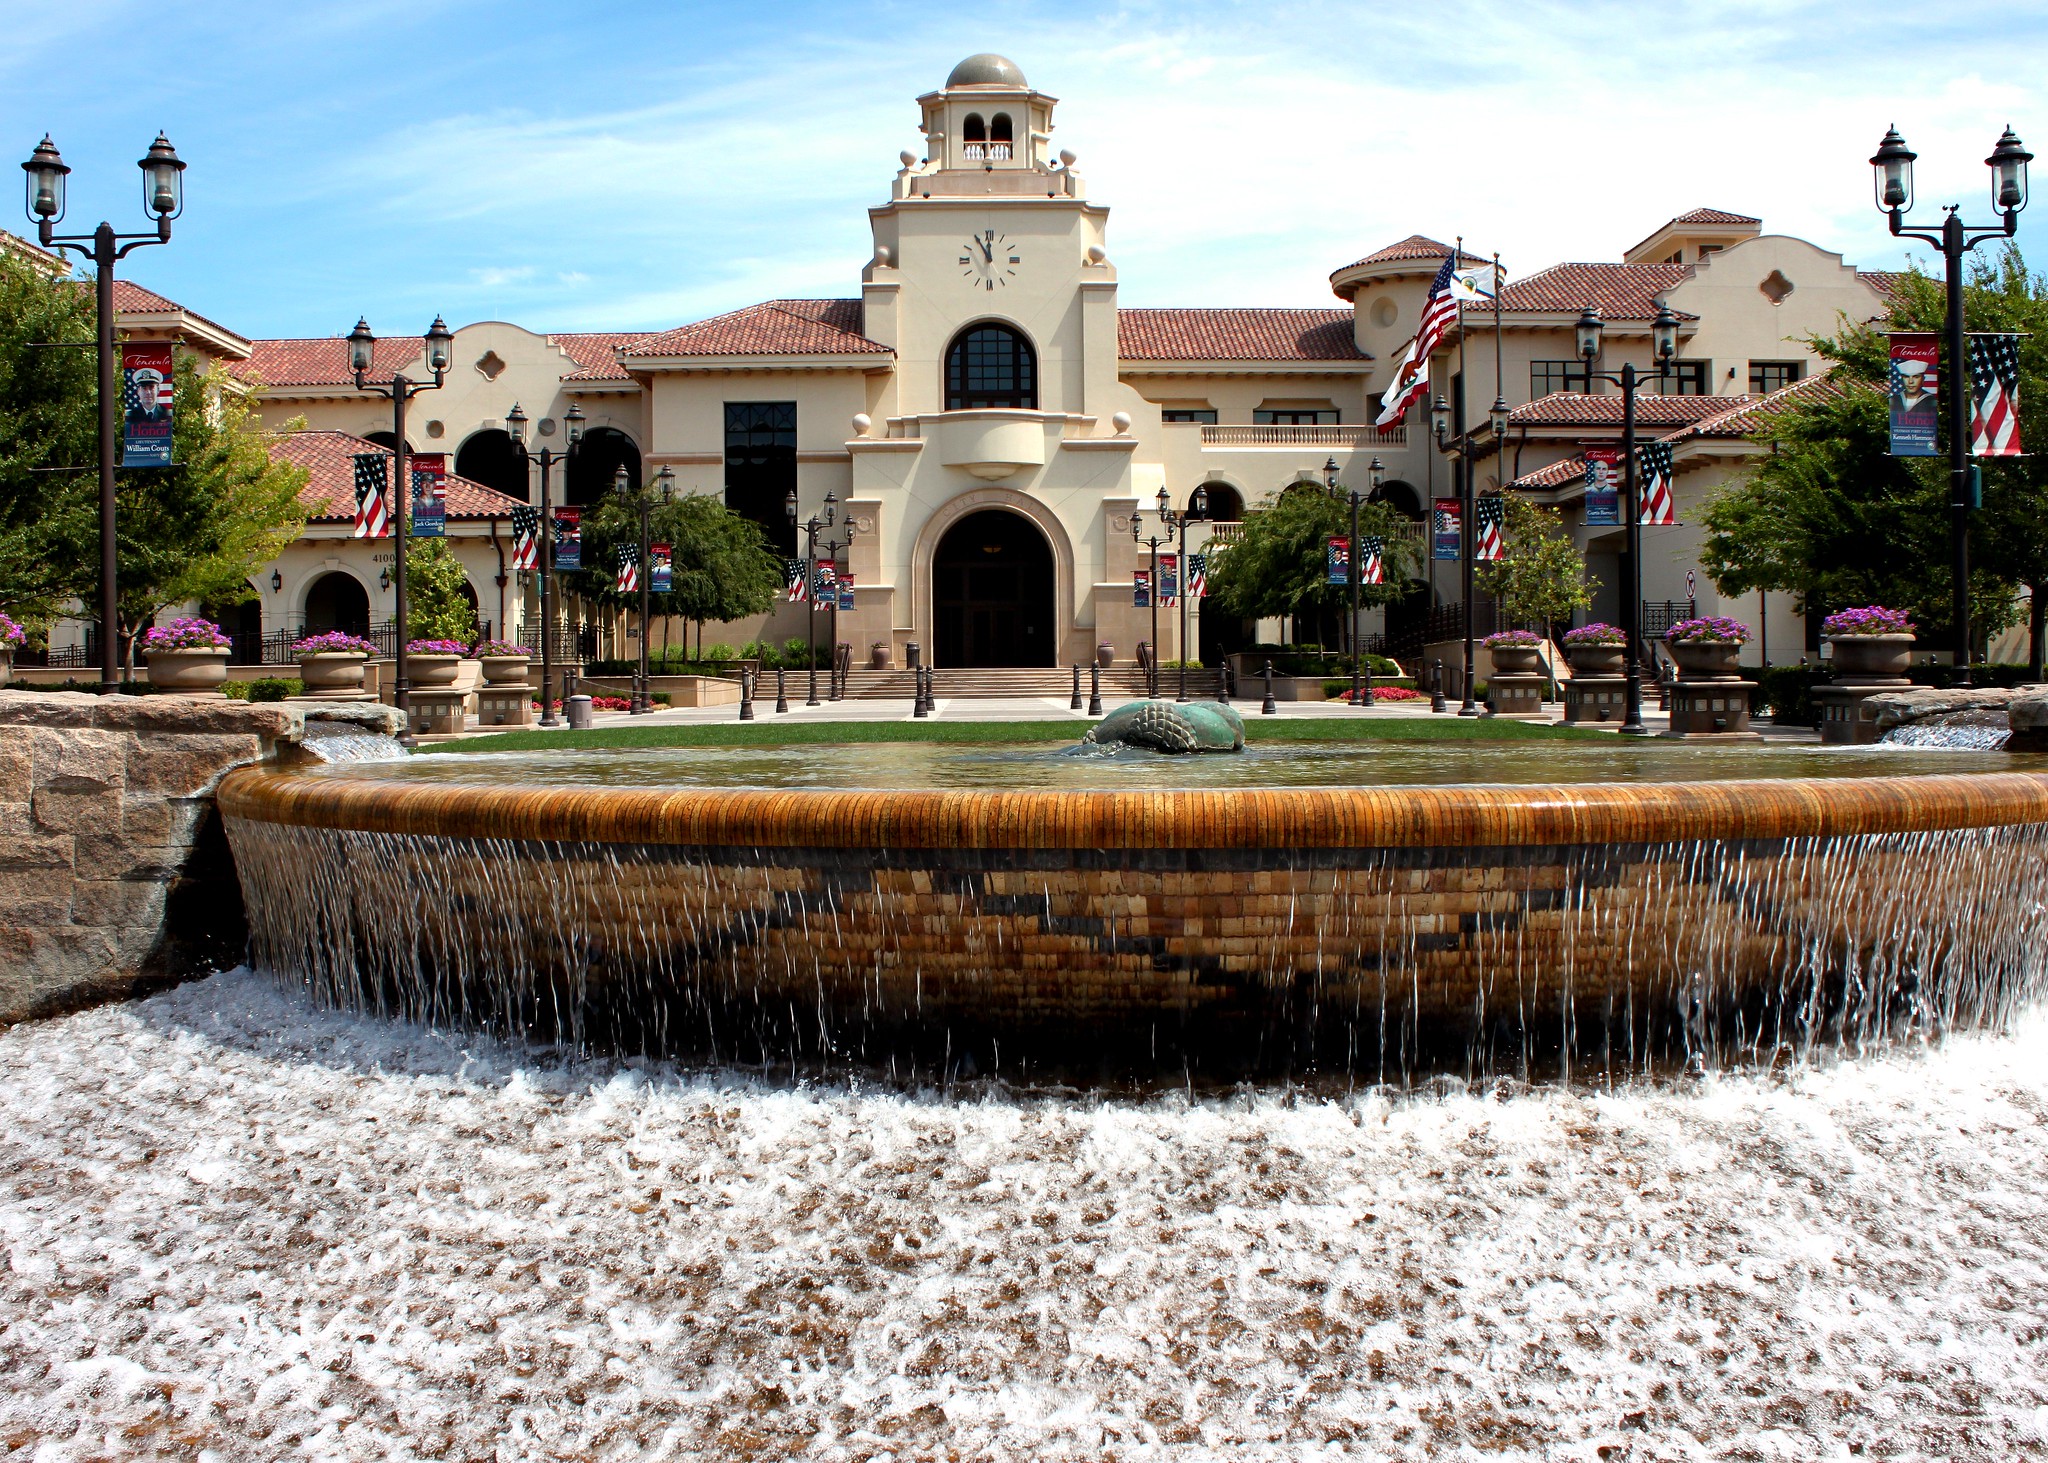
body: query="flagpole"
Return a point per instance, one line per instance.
(1469, 522)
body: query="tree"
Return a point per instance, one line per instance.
(721, 566)
(192, 531)
(1829, 516)
(435, 606)
(1540, 575)
(1280, 564)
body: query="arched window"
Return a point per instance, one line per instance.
(991, 365)
(594, 465)
(999, 138)
(1222, 503)
(492, 458)
(972, 129)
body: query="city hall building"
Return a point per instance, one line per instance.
(991, 420)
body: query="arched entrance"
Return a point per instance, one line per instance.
(594, 465)
(335, 601)
(992, 593)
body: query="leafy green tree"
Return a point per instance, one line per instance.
(44, 513)
(1280, 565)
(1540, 576)
(721, 565)
(436, 607)
(1829, 516)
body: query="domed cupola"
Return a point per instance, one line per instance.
(988, 69)
(986, 131)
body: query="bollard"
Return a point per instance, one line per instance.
(579, 713)
(1075, 704)
(1436, 689)
(781, 689)
(1095, 689)
(1223, 686)
(1268, 708)
(917, 707)
(746, 695)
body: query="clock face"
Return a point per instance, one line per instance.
(989, 259)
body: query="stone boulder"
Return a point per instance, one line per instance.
(1171, 727)
(1922, 703)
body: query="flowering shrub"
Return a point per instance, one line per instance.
(334, 642)
(1870, 620)
(602, 703)
(11, 634)
(1388, 693)
(501, 647)
(1597, 633)
(192, 634)
(1513, 640)
(1713, 630)
(435, 647)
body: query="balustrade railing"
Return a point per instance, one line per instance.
(1274, 435)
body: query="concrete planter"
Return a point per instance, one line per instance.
(1105, 654)
(333, 671)
(1706, 660)
(1887, 656)
(189, 672)
(1516, 660)
(432, 670)
(6, 666)
(505, 670)
(1597, 660)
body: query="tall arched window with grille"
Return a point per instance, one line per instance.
(991, 365)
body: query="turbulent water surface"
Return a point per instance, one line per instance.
(231, 1222)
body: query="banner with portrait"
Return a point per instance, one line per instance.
(1337, 555)
(568, 538)
(845, 592)
(660, 568)
(146, 404)
(1915, 385)
(1603, 487)
(429, 494)
(1141, 589)
(1444, 534)
(1169, 579)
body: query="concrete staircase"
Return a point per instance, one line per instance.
(1119, 683)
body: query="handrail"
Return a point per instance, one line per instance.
(1279, 435)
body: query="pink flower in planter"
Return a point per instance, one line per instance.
(193, 634)
(435, 647)
(11, 634)
(1870, 620)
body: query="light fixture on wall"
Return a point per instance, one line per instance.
(276, 581)
(384, 579)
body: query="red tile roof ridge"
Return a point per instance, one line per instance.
(1236, 333)
(329, 494)
(1750, 415)
(1577, 408)
(771, 327)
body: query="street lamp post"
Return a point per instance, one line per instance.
(1170, 523)
(1663, 346)
(362, 351)
(643, 500)
(1198, 507)
(812, 527)
(544, 559)
(832, 546)
(1892, 170)
(163, 194)
(1377, 475)
(1448, 421)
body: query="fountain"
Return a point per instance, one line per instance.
(999, 909)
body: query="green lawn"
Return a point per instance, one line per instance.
(767, 733)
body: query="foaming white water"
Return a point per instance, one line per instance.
(232, 1221)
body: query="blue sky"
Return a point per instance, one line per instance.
(635, 165)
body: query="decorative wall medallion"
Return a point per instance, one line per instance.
(490, 365)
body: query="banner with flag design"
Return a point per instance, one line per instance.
(1445, 534)
(1995, 396)
(1914, 382)
(1603, 487)
(1411, 377)
(660, 568)
(1337, 556)
(146, 383)
(429, 495)
(825, 584)
(845, 591)
(1169, 579)
(1198, 576)
(629, 568)
(1653, 491)
(1491, 513)
(568, 538)
(1372, 559)
(794, 581)
(525, 538)
(373, 474)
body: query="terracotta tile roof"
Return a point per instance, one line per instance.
(1750, 415)
(1576, 409)
(1890, 283)
(323, 361)
(595, 353)
(1713, 216)
(772, 328)
(1617, 291)
(1558, 475)
(1415, 246)
(329, 495)
(1237, 335)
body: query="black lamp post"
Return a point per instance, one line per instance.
(1447, 419)
(362, 350)
(1170, 523)
(544, 560)
(163, 194)
(812, 527)
(1377, 475)
(832, 546)
(661, 491)
(1663, 346)
(1892, 170)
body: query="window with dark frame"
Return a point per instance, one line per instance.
(1293, 416)
(760, 467)
(1687, 378)
(1204, 415)
(1768, 376)
(1546, 377)
(991, 365)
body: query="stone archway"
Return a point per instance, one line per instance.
(336, 600)
(1064, 637)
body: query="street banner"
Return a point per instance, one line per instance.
(846, 593)
(660, 568)
(1338, 555)
(525, 538)
(429, 495)
(629, 568)
(1198, 576)
(146, 405)
(568, 538)
(1489, 514)
(824, 584)
(1169, 578)
(1915, 390)
(1141, 589)
(1603, 487)
(373, 515)
(1995, 396)
(1372, 559)
(1444, 529)
(1653, 490)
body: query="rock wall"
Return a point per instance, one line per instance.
(114, 872)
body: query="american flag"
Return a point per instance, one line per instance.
(1653, 461)
(1198, 576)
(1995, 390)
(629, 568)
(795, 583)
(1411, 376)
(1491, 513)
(1372, 563)
(525, 538)
(373, 518)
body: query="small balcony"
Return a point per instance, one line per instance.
(985, 152)
(1293, 436)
